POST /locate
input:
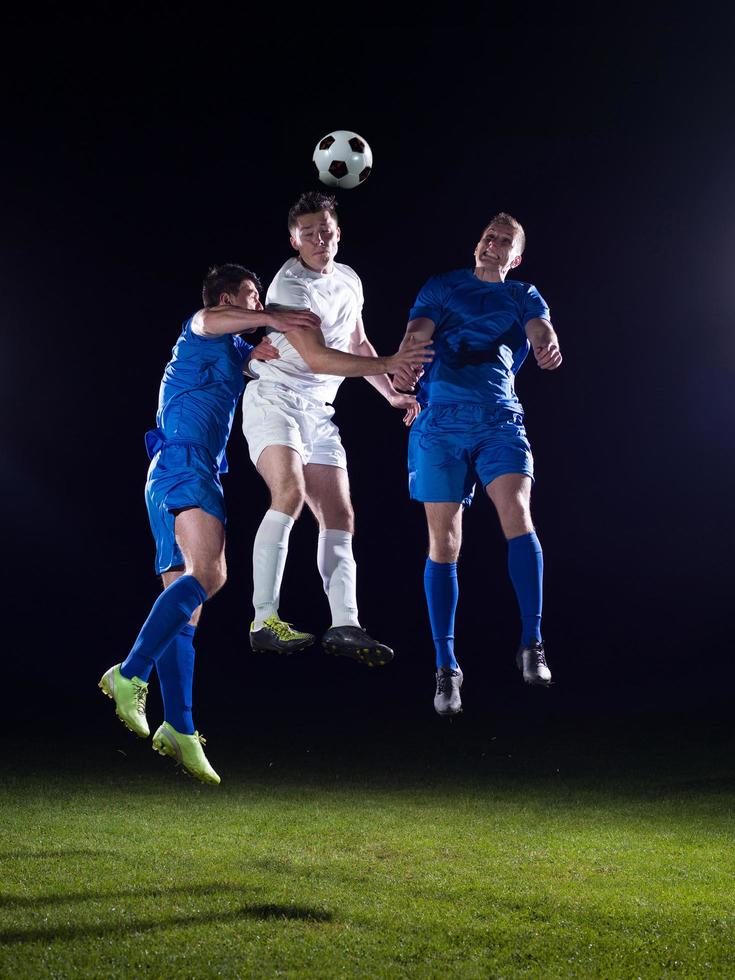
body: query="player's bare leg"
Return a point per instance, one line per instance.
(201, 538)
(444, 521)
(283, 471)
(511, 495)
(328, 497)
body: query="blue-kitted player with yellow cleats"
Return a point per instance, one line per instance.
(199, 392)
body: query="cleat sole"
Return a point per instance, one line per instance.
(256, 648)
(371, 658)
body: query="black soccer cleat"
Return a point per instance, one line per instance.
(447, 700)
(354, 642)
(278, 637)
(531, 661)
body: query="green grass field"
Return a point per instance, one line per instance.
(565, 861)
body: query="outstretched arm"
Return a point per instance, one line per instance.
(381, 382)
(544, 343)
(326, 360)
(218, 320)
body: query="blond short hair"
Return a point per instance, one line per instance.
(502, 218)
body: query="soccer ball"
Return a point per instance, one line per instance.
(342, 159)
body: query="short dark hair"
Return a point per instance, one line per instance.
(226, 278)
(309, 203)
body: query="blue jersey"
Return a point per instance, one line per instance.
(479, 341)
(199, 392)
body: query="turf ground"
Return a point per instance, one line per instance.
(356, 849)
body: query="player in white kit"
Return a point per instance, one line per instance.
(287, 421)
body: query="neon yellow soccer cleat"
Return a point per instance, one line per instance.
(186, 750)
(129, 697)
(278, 637)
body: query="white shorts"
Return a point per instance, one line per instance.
(274, 415)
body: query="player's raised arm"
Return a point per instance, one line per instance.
(218, 320)
(544, 343)
(325, 360)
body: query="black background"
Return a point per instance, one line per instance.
(141, 147)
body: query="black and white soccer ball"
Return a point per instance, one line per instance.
(343, 159)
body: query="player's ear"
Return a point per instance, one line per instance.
(294, 243)
(516, 261)
(339, 232)
(225, 299)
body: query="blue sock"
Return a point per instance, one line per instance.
(526, 568)
(171, 611)
(442, 592)
(175, 668)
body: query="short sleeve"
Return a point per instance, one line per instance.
(534, 305)
(430, 301)
(288, 292)
(243, 348)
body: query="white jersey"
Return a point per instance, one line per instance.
(337, 299)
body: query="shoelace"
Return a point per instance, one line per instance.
(283, 630)
(141, 693)
(443, 682)
(538, 656)
(202, 739)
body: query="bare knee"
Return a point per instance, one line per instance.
(515, 517)
(444, 551)
(291, 504)
(288, 500)
(340, 518)
(445, 532)
(511, 495)
(211, 576)
(445, 544)
(283, 471)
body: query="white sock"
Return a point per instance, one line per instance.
(339, 574)
(270, 549)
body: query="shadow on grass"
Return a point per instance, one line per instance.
(103, 929)
(45, 855)
(72, 898)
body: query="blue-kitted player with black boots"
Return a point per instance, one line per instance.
(472, 428)
(199, 392)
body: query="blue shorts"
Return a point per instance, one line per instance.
(452, 446)
(180, 476)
